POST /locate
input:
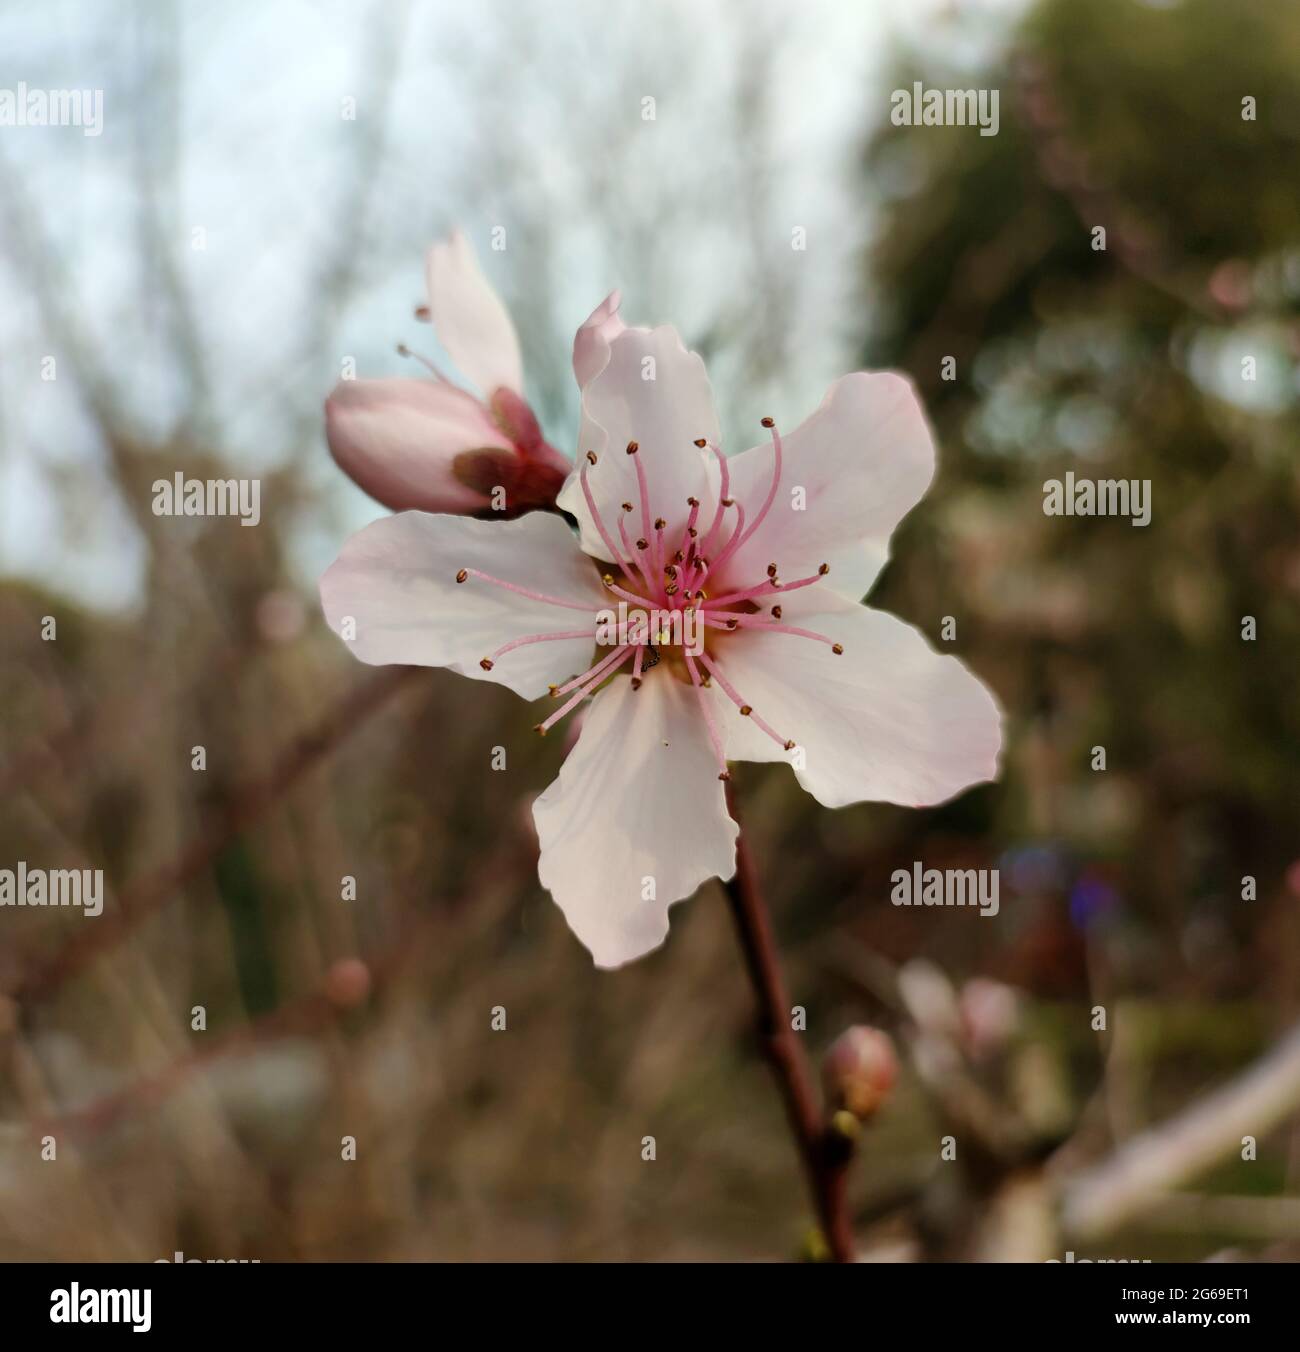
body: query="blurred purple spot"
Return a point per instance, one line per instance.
(1092, 898)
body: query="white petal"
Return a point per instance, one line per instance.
(888, 720)
(637, 803)
(656, 393)
(470, 319)
(863, 460)
(591, 342)
(396, 581)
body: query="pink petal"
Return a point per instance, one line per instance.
(470, 319)
(396, 581)
(637, 803)
(398, 438)
(656, 393)
(888, 720)
(591, 342)
(863, 460)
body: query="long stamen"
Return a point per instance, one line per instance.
(690, 539)
(590, 680)
(404, 351)
(693, 518)
(487, 663)
(657, 553)
(614, 555)
(592, 673)
(771, 585)
(746, 709)
(465, 573)
(712, 727)
(630, 597)
(759, 622)
(736, 536)
(633, 450)
(637, 556)
(776, 480)
(724, 491)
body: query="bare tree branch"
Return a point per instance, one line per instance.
(1102, 1198)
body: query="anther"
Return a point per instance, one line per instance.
(837, 649)
(701, 442)
(789, 746)
(679, 557)
(728, 502)
(671, 589)
(553, 690)
(771, 570)
(726, 774)
(731, 624)
(823, 570)
(660, 523)
(643, 544)
(539, 730)
(608, 579)
(591, 457)
(746, 710)
(776, 612)
(485, 663)
(627, 506)
(692, 502)
(692, 532)
(636, 683)
(769, 422)
(462, 575)
(632, 448)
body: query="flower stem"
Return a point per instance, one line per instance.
(824, 1153)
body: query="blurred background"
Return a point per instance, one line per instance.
(202, 271)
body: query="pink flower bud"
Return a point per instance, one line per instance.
(347, 983)
(429, 445)
(859, 1070)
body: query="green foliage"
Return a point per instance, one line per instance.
(1117, 363)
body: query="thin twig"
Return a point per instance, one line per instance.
(150, 895)
(825, 1154)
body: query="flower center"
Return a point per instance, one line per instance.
(666, 617)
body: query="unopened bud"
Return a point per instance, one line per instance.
(859, 1070)
(347, 983)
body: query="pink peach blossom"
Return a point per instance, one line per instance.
(429, 444)
(770, 549)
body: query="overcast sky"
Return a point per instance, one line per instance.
(493, 114)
